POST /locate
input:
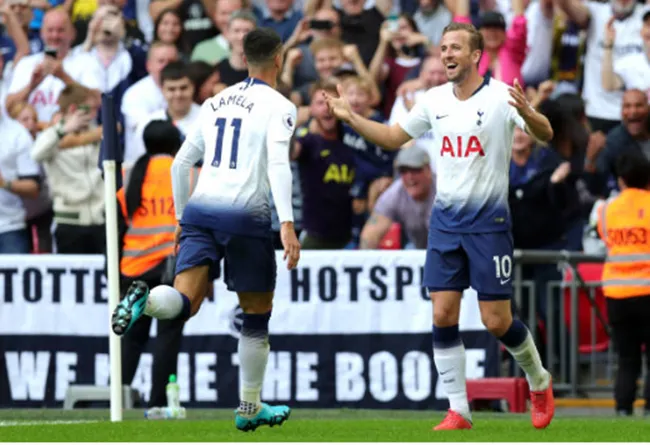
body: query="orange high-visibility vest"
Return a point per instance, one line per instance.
(149, 239)
(624, 225)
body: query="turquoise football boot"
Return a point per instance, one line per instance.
(131, 308)
(267, 415)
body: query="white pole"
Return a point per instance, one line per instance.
(112, 267)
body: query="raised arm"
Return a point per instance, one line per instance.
(610, 80)
(389, 137)
(576, 10)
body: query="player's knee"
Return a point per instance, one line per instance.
(256, 303)
(496, 322)
(445, 315)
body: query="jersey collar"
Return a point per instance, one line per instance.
(255, 81)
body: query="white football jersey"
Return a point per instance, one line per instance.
(236, 130)
(472, 147)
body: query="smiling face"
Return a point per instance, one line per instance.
(635, 112)
(417, 181)
(459, 55)
(320, 111)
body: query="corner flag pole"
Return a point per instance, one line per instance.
(109, 164)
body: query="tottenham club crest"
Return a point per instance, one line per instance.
(480, 116)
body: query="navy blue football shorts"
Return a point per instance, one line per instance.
(249, 261)
(456, 261)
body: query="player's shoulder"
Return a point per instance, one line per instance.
(440, 91)
(497, 86)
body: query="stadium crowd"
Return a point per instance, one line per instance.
(584, 64)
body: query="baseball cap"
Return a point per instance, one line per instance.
(412, 157)
(492, 19)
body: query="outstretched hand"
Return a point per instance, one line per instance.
(339, 106)
(519, 100)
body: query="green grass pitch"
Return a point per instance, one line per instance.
(310, 426)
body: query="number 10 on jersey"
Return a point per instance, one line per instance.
(221, 130)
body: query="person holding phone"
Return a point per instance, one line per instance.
(39, 78)
(325, 24)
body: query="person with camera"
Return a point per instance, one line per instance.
(325, 24)
(401, 48)
(38, 79)
(147, 222)
(75, 181)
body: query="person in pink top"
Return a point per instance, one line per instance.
(505, 51)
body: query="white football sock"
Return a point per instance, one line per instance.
(253, 355)
(164, 303)
(527, 356)
(450, 363)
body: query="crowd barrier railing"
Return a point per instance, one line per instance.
(567, 317)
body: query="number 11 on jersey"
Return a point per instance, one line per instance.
(221, 128)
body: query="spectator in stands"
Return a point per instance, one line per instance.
(326, 168)
(39, 79)
(603, 107)
(399, 50)
(19, 178)
(215, 49)
(408, 202)
(332, 58)
(168, 28)
(570, 140)
(280, 16)
(233, 69)
(538, 198)
(325, 24)
(116, 67)
(361, 26)
(181, 110)
(147, 250)
(539, 36)
(75, 181)
(134, 36)
(145, 96)
(204, 78)
(431, 75)
(38, 210)
(633, 134)
(14, 46)
(631, 71)
(195, 15)
(371, 161)
(431, 18)
(504, 52)
(11, 40)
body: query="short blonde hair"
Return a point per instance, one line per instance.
(19, 107)
(74, 94)
(359, 82)
(328, 43)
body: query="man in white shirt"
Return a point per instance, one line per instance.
(631, 71)
(39, 79)
(603, 108)
(470, 241)
(244, 139)
(431, 75)
(19, 178)
(145, 96)
(181, 110)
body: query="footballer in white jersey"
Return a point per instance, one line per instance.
(244, 137)
(470, 244)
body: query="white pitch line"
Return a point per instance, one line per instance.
(43, 422)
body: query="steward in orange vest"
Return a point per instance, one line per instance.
(147, 223)
(624, 226)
